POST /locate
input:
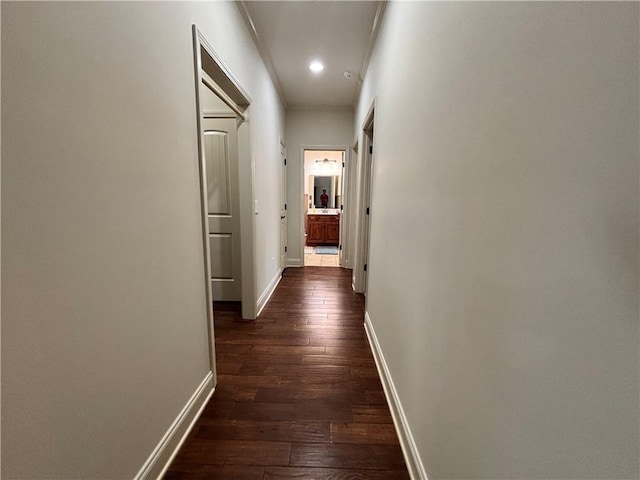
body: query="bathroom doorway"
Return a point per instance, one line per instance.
(323, 199)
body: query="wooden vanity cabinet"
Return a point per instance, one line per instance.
(323, 229)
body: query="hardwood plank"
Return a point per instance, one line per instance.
(264, 339)
(376, 398)
(372, 414)
(359, 342)
(326, 329)
(301, 473)
(262, 358)
(224, 366)
(307, 370)
(248, 380)
(233, 452)
(366, 371)
(229, 429)
(338, 360)
(217, 409)
(234, 393)
(297, 412)
(288, 350)
(360, 352)
(309, 393)
(321, 321)
(228, 349)
(218, 472)
(310, 432)
(332, 455)
(364, 433)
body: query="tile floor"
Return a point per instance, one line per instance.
(311, 259)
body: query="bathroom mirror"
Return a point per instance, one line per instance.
(330, 184)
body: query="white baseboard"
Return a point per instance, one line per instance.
(411, 456)
(294, 262)
(266, 295)
(162, 456)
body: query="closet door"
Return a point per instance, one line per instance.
(221, 155)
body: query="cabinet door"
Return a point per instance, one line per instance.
(333, 233)
(316, 232)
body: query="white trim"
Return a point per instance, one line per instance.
(237, 99)
(337, 148)
(409, 449)
(219, 114)
(247, 221)
(365, 187)
(375, 29)
(294, 262)
(164, 453)
(266, 295)
(198, 75)
(215, 88)
(233, 89)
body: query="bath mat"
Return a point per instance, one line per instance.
(326, 251)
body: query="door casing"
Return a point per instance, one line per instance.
(346, 149)
(365, 189)
(283, 205)
(229, 90)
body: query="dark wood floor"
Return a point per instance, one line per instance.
(298, 392)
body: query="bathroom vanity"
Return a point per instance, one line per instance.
(323, 228)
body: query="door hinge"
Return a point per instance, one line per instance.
(341, 207)
(285, 249)
(342, 164)
(367, 210)
(340, 247)
(285, 161)
(371, 149)
(285, 206)
(365, 267)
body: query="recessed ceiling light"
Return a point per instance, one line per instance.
(316, 66)
(347, 74)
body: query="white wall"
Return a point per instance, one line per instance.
(267, 127)
(104, 334)
(319, 128)
(503, 281)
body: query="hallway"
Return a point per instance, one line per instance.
(298, 393)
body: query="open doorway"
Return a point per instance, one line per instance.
(226, 186)
(323, 206)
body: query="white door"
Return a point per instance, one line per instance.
(220, 139)
(283, 207)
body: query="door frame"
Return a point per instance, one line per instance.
(222, 82)
(365, 195)
(345, 212)
(284, 194)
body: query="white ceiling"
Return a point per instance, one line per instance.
(290, 34)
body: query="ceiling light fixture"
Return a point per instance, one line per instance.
(347, 74)
(316, 66)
